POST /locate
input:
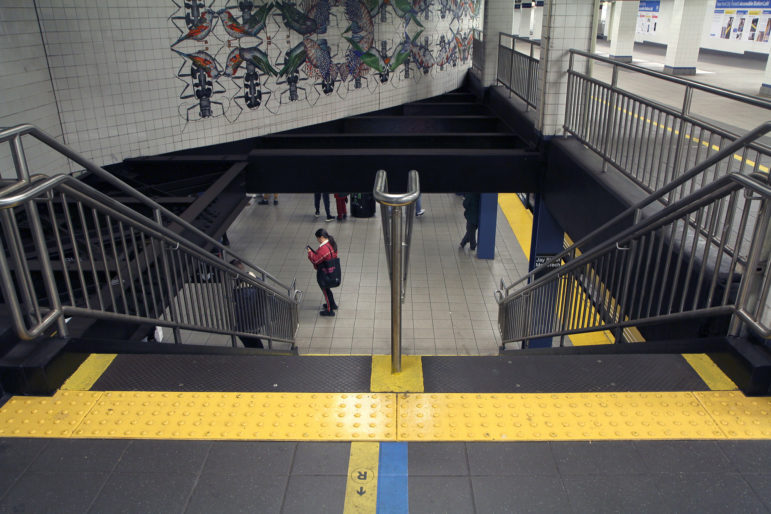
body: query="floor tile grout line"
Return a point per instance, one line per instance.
(197, 477)
(109, 475)
(709, 413)
(289, 476)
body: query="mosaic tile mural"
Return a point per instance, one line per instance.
(243, 58)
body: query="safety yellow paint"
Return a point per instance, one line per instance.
(232, 416)
(554, 417)
(55, 416)
(89, 372)
(389, 417)
(709, 372)
(361, 488)
(410, 379)
(519, 218)
(738, 416)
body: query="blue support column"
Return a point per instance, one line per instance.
(546, 241)
(488, 218)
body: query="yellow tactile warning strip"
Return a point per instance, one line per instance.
(410, 379)
(89, 372)
(56, 416)
(737, 416)
(389, 417)
(361, 487)
(709, 372)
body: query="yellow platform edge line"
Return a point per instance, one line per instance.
(89, 372)
(410, 379)
(378, 417)
(361, 485)
(709, 372)
(519, 218)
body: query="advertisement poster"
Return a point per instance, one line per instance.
(648, 16)
(741, 20)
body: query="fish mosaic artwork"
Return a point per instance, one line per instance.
(244, 56)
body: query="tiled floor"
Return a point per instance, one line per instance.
(449, 307)
(40, 475)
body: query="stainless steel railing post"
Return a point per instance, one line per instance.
(397, 241)
(396, 290)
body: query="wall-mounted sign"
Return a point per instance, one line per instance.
(741, 20)
(648, 16)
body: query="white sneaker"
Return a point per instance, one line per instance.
(421, 212)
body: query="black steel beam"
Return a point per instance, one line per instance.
(441, 170)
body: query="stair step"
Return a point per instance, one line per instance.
(37, 367)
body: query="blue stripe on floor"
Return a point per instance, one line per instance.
(392, 496)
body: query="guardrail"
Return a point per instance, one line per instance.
(651, 143)
(478, 53)
(517, 71)
(705, 253)
(94, 257)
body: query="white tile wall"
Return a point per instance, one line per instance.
(569, 27)
(27, 93)
(118, 94)
(685, 31)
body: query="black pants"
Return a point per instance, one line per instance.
(316, 200)
(329, 298)
(471, 236)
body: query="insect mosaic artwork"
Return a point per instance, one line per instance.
(245, 56)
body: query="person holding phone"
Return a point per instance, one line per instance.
(327, 250)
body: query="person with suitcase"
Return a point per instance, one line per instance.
(326, 263)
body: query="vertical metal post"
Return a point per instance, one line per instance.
(396, 287)
(609, 120)
(167, 273)
(19, 160)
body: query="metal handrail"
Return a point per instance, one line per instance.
(612, 286)
(635, 210)
(396, 239)
(14, 134)
(726, 93)
(151, 287)
(651, 143)
(520, 69)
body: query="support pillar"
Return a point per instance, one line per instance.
(622, 33)
(526, 11)
(546, 241)
(515, 19)
(566, 24)
(498, 16)
(488, 219)
(537, 20)
(684, 40)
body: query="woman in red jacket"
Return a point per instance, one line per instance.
(327, 250)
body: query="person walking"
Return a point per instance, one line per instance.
(326, 251)
(317, 197)
(471, 213)
(419, 210)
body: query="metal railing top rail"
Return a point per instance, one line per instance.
(96, 197)
(726, 93)
(514, 37)
(742, 142)
(699, 199)
(396, 199)
(13, 134)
